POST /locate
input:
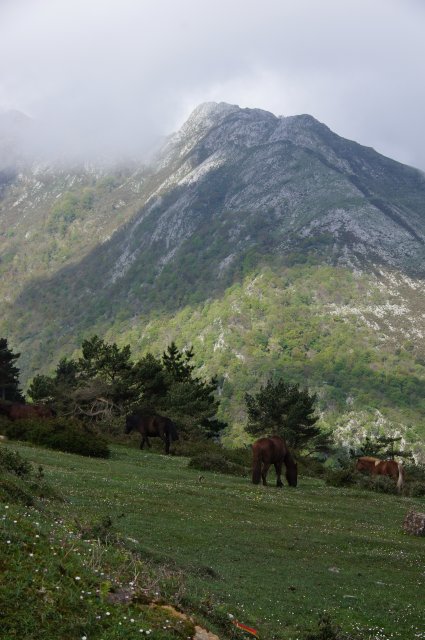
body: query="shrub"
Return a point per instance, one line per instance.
(311, 467)
(327, 630)
(61, 434)
(414, 489)
(218, 463)
(340, 478)
(241, 456)
(14, 463)
(19, 483)
(415, 472)
(191, 448)
(381, 484)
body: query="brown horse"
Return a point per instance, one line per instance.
(152, 426)
(377, 467)
(18, 411)
(274, 450)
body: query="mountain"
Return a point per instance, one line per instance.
(271, 244)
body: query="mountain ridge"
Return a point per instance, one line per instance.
(233, 194)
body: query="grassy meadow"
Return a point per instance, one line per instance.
(216, 546)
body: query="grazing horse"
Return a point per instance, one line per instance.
(152, 426)
(377, 467)
(274, 450)
(18, 411)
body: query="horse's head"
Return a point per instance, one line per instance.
(291, 473)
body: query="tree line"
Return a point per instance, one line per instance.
(104, 383)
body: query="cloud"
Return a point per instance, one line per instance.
(111, 76)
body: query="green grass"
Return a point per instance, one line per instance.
(274, 559)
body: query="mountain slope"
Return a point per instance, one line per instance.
(234, 194)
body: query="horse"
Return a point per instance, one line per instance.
(377, 467)
(274, 450)
(18, 411)
(152, 426)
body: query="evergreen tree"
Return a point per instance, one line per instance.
(9, 374)
(42, 389)
(384, 447)
(103, 360)
(190, 400)
(178, 363)
(148, 383)
(285, 410)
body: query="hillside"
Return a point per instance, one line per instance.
(271, 244)
(222, 550)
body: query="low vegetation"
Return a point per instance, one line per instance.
(141, 528)
(64, 434)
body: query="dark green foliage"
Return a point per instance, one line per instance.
(384, 447)
(311, 467)
(42, 389)
(286, 410)
(13, 462)
(190, 400)
(380, 484)
(340, 478)
(9, 373)
(328, 630)
(414, 489)
(100, 359)
(148, 381)
(217, 463)
(414, 472)
(67, 435)
(19, 483)
(105, 383)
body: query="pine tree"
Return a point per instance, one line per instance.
(285, 410)
(385, 447)
(9, 374)
(190, 400)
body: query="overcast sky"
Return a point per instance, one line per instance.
(112, 75)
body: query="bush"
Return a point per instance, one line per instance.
(19, 483)
(327, 630)
(241, 456)
(61, 434)
(341, 478)
(381, 484)
(414, 472)
(311, 467)
(191, 448)
(218, 463)
(14, 463)
(414, 489)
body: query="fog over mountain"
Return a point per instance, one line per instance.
(109, 79)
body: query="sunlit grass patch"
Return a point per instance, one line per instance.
(274, 559)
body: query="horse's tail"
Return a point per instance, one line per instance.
(172, 431)
(256, 465)
(400, 481)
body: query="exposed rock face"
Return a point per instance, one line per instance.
(232, 187)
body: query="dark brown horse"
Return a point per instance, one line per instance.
(377, 467)
(152, 426)
(18, 411)
(274, 450)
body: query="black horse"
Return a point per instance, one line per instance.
(152, 426)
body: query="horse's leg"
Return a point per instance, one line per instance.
(167, 444)
(145, 440)
(278, 468)
(264, 471)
